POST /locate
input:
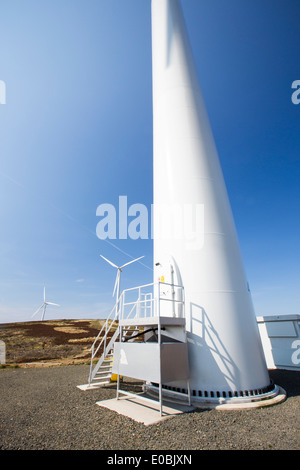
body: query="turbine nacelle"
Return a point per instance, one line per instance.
(119, 268)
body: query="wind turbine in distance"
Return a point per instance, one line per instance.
(119, 268)
(43, 306)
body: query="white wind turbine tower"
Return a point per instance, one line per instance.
(43, 306)
(119, 268)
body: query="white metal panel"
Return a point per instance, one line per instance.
(283, 358)
(279, 329)
(284, 317)
(130, 360)
(142, 361)
(266, 343)
(281, 340)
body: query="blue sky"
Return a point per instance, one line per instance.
(76, 132)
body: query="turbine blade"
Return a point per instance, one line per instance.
(112, 264)
(117, 280)
(51, 303)
(133, 261)
(44, 294)
(37, 311)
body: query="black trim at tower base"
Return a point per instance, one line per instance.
(221, 393)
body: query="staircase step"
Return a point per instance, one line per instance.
(105, 362)
(101, 383)
(103, 377)
(100, 375)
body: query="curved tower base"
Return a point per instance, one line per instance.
(270, 396)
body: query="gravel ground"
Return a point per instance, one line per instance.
(42, 409)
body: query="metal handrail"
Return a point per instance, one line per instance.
(118, 311)
(154, 302)
(153, 284)
(141, 301)
(106, 323)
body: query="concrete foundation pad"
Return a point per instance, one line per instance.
(279, 398)
(91, 386)
(142, 412)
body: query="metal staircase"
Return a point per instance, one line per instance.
(101, 371)
(133, 304)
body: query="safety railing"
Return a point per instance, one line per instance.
(137, 303)
(109, 326)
